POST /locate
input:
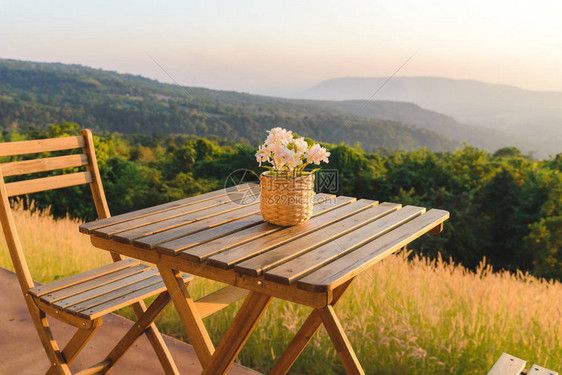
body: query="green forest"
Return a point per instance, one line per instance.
(504, 206)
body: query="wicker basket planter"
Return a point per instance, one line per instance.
(286, 201)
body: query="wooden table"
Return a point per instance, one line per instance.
(221, 236)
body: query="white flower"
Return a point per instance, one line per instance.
(301, 145)
(263, 154)
(292, 159)
(317, 154)
(279, 136)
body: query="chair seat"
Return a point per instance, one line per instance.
(100, 291)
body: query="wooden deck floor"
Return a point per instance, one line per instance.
(21, 351)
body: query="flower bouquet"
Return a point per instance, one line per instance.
(287, 189)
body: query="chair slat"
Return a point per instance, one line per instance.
(125, 299)
(84, 276)
(228, 258)
(41, 145)
(89, 227)
(342, 224)
(101, 290)
(48, 183)
(94, 283)
(42, 165)
(339, 271)
(111, 295)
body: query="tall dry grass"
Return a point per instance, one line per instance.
(402, 317)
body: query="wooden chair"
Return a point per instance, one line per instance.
(80, 300)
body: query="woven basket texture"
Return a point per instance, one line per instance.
(286, 201)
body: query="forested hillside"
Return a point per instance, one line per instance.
(39, 94)
(503, 206)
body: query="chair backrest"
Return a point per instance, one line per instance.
(86, 160)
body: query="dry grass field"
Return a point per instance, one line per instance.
(403, 317)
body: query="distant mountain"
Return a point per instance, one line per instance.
(38, 94)
(410, 113)
(532, 115)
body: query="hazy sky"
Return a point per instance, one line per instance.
(263, 46)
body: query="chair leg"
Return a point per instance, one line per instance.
(304, 335)
(340, 341)
(50, 345)
(157, 342)
(140, 326)
(79, 340)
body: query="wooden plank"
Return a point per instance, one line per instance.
(203, 251)
(48, 183)
(168, 218)
(339, 271)
(124, 300)
(218, 300)
(305, 333)
(538, 370)
(288, 236)
(507, 365)
(81, 277)
(90, 294)
(240, 329)
(196, 331)
(342, 239)
(145, 321)
(114, 294)
(291, 293)
(340, 341)
(88, 227)
(40, 145)
(184, 243)
(93, 283)
(341, 224)
(43, 165)
(150, 241)
(130, 294)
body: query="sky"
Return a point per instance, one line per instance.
(283, 47)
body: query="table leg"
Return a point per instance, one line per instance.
(235, 337)
(188, 313)
(304, 335)
(340, 341)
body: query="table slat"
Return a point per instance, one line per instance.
(337, 272)
(275, 257)
(184, 243)
(130, 229)
(203, 251)
(339, 245)
(88, 227)
(228, 258)
(150, 241)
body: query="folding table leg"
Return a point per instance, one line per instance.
(340, 341)
(304, 335)
(240, 329)
(188, 313)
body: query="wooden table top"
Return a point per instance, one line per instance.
(225, 231)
